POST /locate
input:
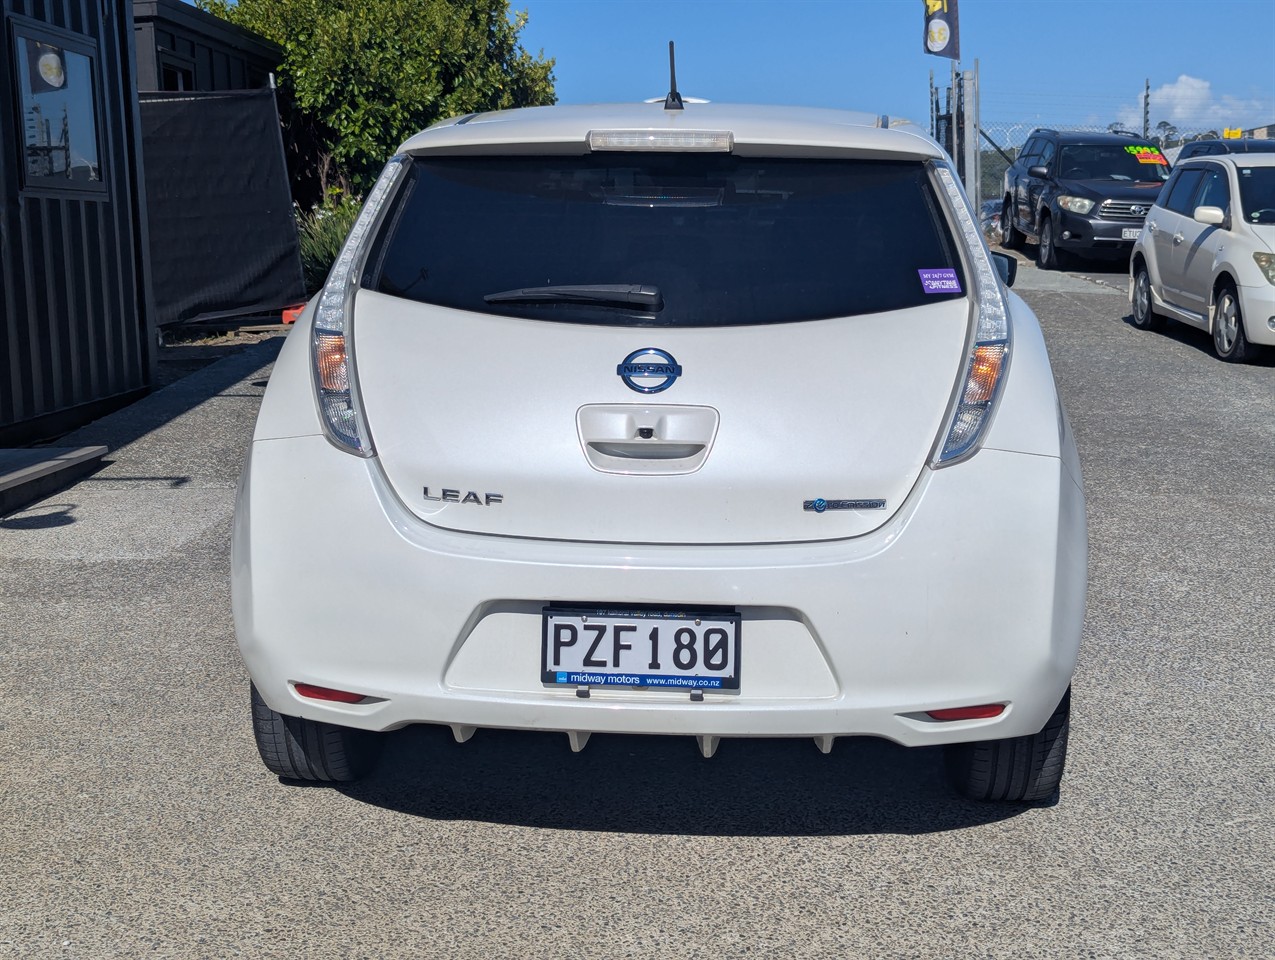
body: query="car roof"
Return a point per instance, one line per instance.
(1232, 159)
(1080, 136)
(756, 130)
(1245, 145)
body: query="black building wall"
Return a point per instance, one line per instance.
(76, 339)
(181, 48)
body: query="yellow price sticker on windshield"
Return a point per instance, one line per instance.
(1148, 155)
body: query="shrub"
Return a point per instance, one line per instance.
(321, 232)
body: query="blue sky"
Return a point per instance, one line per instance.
(1211, 63)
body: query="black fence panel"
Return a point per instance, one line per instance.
(223, 239)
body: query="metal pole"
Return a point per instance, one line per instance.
(953, 115)
(934, 129)
(969, 119)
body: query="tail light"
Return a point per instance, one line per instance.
(988, 356)
(335, 383)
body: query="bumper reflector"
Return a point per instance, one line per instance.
(981, 712)
(327, 693)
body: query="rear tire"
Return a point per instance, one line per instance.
(1017, 770)
(301, 749)
(1011, 239)
(1229, 341)
(1144, 315)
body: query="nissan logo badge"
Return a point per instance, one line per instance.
(649, 370)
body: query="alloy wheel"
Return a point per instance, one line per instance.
(1226, 323)
(1141, 297)
(1049, 257)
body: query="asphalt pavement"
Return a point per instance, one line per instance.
(138, 821)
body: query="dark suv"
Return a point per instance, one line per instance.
(1083, 193)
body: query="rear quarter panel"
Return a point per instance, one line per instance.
(1029, 416)
(289, 408)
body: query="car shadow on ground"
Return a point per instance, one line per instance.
(661, 785)
(182, 386)
(1203, 341)
(1104, 268)
(1112, 271)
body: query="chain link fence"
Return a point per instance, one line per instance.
(983, 151)
(999, 144)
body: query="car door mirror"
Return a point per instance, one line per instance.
(1006, 266)
(1038, 171)
(1213, 216)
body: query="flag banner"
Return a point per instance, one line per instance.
(942, 30)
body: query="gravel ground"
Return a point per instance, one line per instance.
(139, 822)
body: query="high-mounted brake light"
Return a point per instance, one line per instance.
(334, 377)
(683, 141)
(988, 357)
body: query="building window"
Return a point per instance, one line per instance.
(173, 77)
(60, 144)
(175, 71)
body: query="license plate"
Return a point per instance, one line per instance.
(1130, 233)
(655, 649)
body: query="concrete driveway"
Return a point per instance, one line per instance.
(138, 822)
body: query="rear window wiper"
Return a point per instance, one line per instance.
(639, 296)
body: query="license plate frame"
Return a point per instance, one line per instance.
(647, 653)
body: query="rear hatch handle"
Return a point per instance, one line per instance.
(646, 449)
(646, 439)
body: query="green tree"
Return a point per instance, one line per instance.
(359, 78)
(1166, 131)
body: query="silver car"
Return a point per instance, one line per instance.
(1206, 255)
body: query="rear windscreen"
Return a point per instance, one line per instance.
(711, 239)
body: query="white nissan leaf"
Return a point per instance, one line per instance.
(714, 421)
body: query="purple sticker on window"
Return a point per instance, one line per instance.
(940, 281)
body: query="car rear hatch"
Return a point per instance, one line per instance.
(664, 348)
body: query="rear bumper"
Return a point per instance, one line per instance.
(972, 593)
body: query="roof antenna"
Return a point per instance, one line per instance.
(674, 99)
